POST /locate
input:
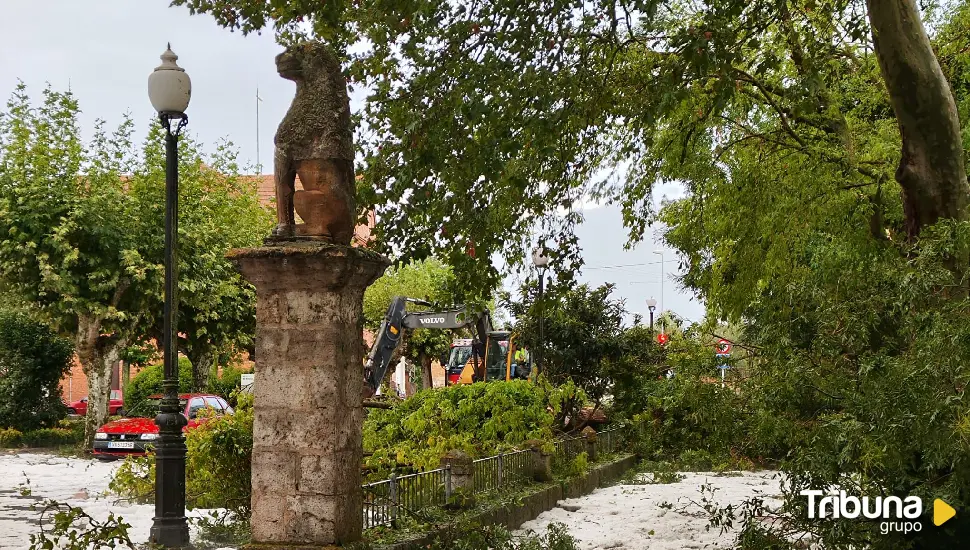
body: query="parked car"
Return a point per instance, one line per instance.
(116, 405)
(135, 434)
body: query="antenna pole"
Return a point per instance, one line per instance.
(259, 167)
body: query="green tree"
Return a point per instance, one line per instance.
(428, 280)
(80, 239)
(68, 244)
(218, 210)
(33, 359)
(584, 339)
(484, 119)
(855, 330)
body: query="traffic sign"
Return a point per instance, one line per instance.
(662, 338)
(723, 347)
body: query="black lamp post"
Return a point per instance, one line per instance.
(651, 305)
(541, 261)
(169, 89)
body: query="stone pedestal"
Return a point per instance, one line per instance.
(590, 435)
(541, 462)
(460, 481)
(309, 380)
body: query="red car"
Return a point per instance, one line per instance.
(134, 434)
(116, 405)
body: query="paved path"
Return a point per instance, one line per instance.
(634, 517)
(76, 481)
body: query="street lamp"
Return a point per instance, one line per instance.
(651, 305)
(169, 89)
(662, 276)
(541, 261)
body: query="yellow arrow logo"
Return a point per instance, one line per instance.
(942, 512)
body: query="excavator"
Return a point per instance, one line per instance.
(488, 355)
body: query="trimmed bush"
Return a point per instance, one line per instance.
(149, 382)
(10, 437)
(67, 432)
(33, 359)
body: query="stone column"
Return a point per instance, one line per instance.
(541, 461)
(462, 479)
(590, 435)
(308, 391)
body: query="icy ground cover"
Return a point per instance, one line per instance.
(658, 516)
(75, 481)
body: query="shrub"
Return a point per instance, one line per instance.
(478, 419)
(149, 382)
(218, 467)
(11, 437)
(227, 384)
(67, 432)
(33, 359)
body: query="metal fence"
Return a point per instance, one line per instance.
(501, 470)
(609, 441)
(566, 450)
(386, 500)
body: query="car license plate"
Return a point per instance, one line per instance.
(121, 444)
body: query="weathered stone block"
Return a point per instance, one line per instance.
(310, 518)
(294, 429)
(274, 471)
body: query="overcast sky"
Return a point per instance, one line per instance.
(104, 51)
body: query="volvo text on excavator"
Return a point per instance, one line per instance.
(492, 350)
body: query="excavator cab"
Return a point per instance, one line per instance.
(466, 364)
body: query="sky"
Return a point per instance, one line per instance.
(104, 50)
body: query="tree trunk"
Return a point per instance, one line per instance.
(125, 376)
(931, 171)
(202, 361)
(99, 383)
(427, 381)
(97, 355)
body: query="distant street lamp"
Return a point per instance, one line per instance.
(541, 261)
(663, 275)
(651, 305)
(169, 90)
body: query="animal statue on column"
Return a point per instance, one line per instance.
(315, 142)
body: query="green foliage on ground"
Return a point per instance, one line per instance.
(479, 419)
(498, 537)
(33, 359)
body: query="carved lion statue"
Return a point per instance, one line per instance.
(315, 141)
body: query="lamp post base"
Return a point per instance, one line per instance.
(170, 533)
